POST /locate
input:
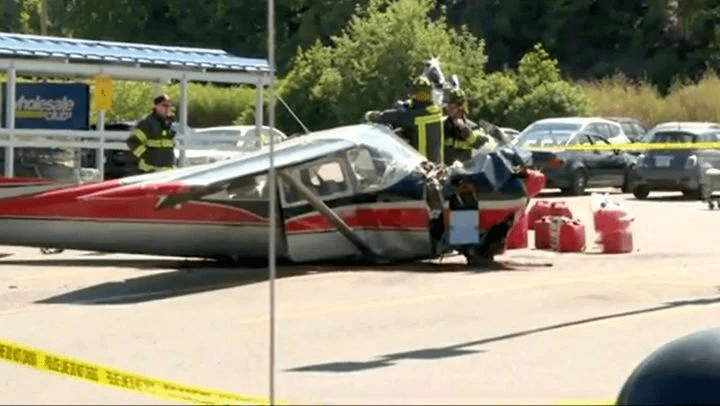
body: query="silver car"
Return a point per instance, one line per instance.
(676, 169)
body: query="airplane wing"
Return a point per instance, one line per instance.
(187, 183)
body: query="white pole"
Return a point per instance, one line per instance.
(183, 119)
(271, 255)
(10, 123)
(100, 152)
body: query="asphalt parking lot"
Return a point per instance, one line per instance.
(538, 328)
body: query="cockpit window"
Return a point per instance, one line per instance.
(325, 180)
(368, 172)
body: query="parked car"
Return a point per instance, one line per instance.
(575, 170)
(633, 128)
(610, 130)
(677, 125)
(676, 169)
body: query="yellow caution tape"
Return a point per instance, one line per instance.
(638, 146)
(42, 360)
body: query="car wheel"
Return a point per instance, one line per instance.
(704, 193)
(578, 183)
(627, 186)
(641, 192)
(690, 194)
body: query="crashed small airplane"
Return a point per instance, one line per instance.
(357, 193)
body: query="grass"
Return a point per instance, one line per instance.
(685, 101)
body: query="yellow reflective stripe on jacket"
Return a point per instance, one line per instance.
(140, 135)
(421, 122)
(139, 150)
(476, 139)
(161, 143)
(459, 144)
(146, 167)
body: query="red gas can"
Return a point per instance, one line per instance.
(518, 237)
(567, 235)
(560, 209)
(539, 210)
(542, 233)
(534, 182)
(608, 221)
(619, 242)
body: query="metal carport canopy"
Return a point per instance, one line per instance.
(57, 56)
(70, 57)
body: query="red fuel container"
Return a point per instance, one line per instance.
(539, 210)
(608, 221)
(619, 242)
(542, 233)
(569, 235)
(518, 237)
(534, 182)
(560, 209)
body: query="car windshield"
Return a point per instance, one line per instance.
(673, 136)
(553, 127)
(542, 134)
(542, 138)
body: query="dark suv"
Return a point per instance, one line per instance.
(677, 169)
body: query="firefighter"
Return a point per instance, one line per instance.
(461, 134)
(420, 122)
(152, 139)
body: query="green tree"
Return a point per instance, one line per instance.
(10, 15)
(535, 90)
(21, 16)
(368, 66)
(238, 26)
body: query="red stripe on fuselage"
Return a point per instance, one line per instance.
(410, 219)
(129, 204)
(24, 181)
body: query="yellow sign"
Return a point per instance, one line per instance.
(103, 93)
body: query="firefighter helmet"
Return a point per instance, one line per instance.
(422, 89)
(683, 371)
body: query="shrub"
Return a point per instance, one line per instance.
(552, 99)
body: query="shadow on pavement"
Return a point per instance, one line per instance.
(464, 348)
(139, 263)
(164, 285)
(190, 277)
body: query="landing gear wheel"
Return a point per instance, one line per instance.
(704, 193)
(692, 194)
(473, 259)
